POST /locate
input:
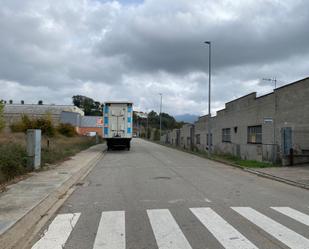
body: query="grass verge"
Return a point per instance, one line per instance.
(224, 158)
(13, 156)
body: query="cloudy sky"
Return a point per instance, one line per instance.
(134, 49)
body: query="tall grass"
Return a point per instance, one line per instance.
(13, 157)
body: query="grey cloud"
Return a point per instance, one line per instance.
(53, 49)
(260, 32)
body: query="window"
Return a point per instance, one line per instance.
(226, 135)
(235, 129)
(255, 134)
(198, 139)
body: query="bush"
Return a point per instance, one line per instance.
(156, 135)
(44, 124)
(13, 160)
(67, 130)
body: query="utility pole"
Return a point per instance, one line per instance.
(209, 97)
(274, 80)
(160, 114)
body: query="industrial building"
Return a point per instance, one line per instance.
(66, 114)
(14, 112)
(272, 127)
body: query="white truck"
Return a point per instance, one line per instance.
(118, 124)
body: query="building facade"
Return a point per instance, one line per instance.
(14, 112)
(187, 136)
(266, 128)
(272, 127)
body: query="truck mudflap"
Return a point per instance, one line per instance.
(113, 143)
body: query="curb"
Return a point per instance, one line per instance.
(23, 227)
(277, 178)
(249, 170)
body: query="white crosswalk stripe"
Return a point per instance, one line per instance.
(58, 232)
(167, 233)
(280, 232)
(294, 214)
(111, 231)
(227, 235)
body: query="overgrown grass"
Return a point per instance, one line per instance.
(226, 158)
(13, 161)
(241, 162)
(61, 148)
(13, 156)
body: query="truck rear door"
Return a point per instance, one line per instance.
(117, 118)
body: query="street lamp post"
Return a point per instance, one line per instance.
(209, 97)
(160, 114)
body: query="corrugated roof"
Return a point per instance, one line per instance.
(40, 109)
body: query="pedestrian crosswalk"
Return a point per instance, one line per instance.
(222, 230)
(168, 234)
(58, 232)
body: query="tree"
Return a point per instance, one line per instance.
(88, 105)
(2, 122)
(168, 122)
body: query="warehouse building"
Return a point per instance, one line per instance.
(200, 133)
(175, 137)
(85, 125)
(187, 136)
(14, 112)
(265, 128)
(273, 127)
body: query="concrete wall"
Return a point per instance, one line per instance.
(186, 136)
(166, 138)
(287, 106)
(175, 137)
(237, 116)
(200, 133)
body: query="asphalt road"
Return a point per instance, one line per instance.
(156, 197)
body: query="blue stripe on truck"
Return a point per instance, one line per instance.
(129, 129)
(105, 130)
(129, 108)
(106, 109)
(105, 120)
(129, 119)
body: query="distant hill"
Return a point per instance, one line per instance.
(187, 118)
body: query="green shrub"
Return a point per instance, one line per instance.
(44, 124)
(17, 127)
(13, 160)
(67, 130)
